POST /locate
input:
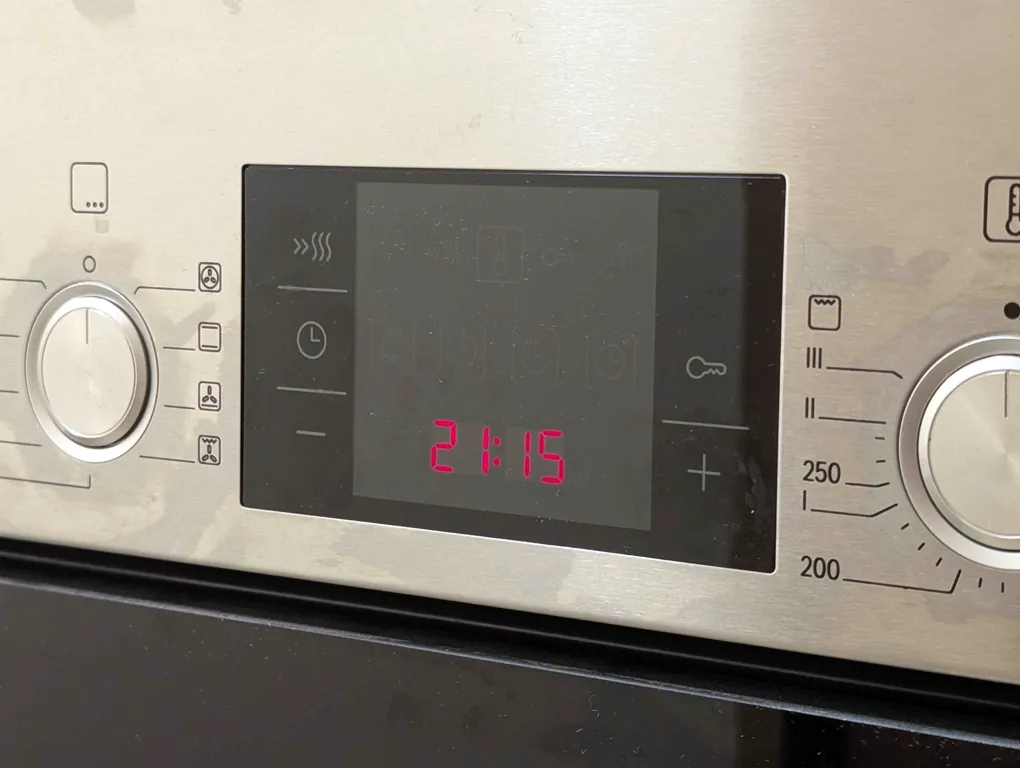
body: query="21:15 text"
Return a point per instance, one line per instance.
(540, 456)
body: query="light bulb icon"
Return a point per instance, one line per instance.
(1013, 222)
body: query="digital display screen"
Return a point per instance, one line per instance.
(581, 360)
(504, 349)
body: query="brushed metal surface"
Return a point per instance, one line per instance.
(887, 120)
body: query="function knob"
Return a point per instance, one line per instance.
(90, 371)
(960, 450)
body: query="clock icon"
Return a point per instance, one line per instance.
(311, 340)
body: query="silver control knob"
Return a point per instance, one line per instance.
(961, 457)
(89, 370)
(970, 451)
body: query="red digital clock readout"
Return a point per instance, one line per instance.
(532, 451)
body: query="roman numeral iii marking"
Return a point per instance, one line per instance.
(813, 357)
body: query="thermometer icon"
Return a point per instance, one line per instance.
(1013, 222)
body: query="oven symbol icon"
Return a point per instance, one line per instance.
(209, 450)
(825, 312)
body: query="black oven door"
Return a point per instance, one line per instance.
(104, 664)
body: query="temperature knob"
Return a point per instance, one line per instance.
(960, 450)
(89, 370)
(971, 459)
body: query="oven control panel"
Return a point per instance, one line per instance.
(701, 330)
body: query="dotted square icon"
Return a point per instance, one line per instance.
(90, 188)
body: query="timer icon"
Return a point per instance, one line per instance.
(311, 340)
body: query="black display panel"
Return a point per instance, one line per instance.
(532, 361)
(587, 360)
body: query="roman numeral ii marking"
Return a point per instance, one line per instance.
(809, 407)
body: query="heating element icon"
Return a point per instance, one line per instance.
(825, 313)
